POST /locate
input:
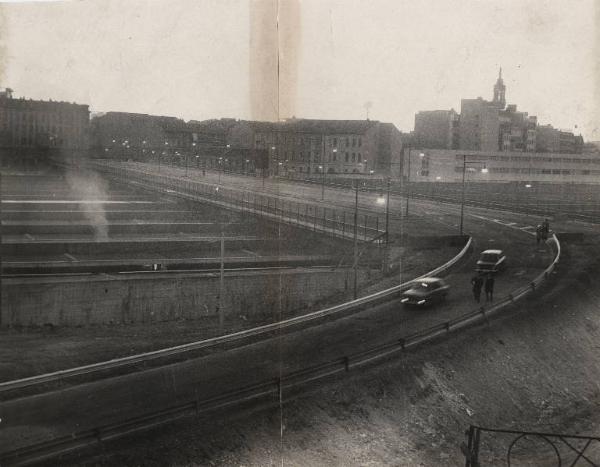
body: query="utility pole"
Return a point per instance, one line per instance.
(355, 240)
(323, 170)
(462, 198)
(408, 182)
(387, 228)
(222, 281)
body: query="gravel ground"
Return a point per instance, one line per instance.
(537, 369)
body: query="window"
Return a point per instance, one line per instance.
(359, 142)
(334, 156)
(335, 141)
(347, 142)
(353, 157)
(353, 142)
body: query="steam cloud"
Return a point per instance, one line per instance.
(89, 186)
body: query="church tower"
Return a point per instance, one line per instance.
(499, 92)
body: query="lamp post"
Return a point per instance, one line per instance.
(355, 240)
(221, 161)
(462, 197)
(386, 200)
(322, 169)
(421, 155)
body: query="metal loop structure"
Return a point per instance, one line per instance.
(561, 449)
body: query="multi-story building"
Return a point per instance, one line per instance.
(31, 130)
(438, 165)
(436, 129)
(479, 128)
(332, 146)
(550, 139)
(125, 135)
(517, 130)
(491, 126)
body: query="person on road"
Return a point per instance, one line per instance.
(539, 233)
(546, 228)
(477, 283)
(489, 288)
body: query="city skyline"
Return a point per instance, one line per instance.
(107, 55)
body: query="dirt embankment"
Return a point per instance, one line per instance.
(536, 369)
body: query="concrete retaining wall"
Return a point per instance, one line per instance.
(106, 300)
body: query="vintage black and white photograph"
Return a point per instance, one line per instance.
(300, 233)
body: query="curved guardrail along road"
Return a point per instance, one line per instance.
(45, 416)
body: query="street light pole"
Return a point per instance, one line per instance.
(323, 169)
(408, 182)
(387, 225)
(462, 198)
(355, 240)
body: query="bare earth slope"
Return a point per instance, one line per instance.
(538, 368)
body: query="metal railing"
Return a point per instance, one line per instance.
(285, 325)
(332, 221)
(269, 390)
(528, 447)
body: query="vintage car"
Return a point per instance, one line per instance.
(491, 261)
(426, 291)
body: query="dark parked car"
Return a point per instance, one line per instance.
(491, 261)
(426, 291)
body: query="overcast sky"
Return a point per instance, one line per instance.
(199, 59)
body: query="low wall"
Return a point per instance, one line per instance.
(107, 300)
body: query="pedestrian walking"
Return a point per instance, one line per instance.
(477, 283)
(545, 229)
(539, 233)
(489, 288)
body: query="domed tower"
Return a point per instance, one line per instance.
(500, 92)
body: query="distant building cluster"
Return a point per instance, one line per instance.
(491, 126)
(492, 132)
(299, 146)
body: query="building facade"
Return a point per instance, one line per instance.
(123, 135)
(437, 129)
(435, 165)
(31, 130)
(304, 146)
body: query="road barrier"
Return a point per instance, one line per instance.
(335, 222)
(268, 391)
(237, 337)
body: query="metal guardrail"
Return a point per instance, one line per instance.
(268, 389)
(336, 222)
(287, 324)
